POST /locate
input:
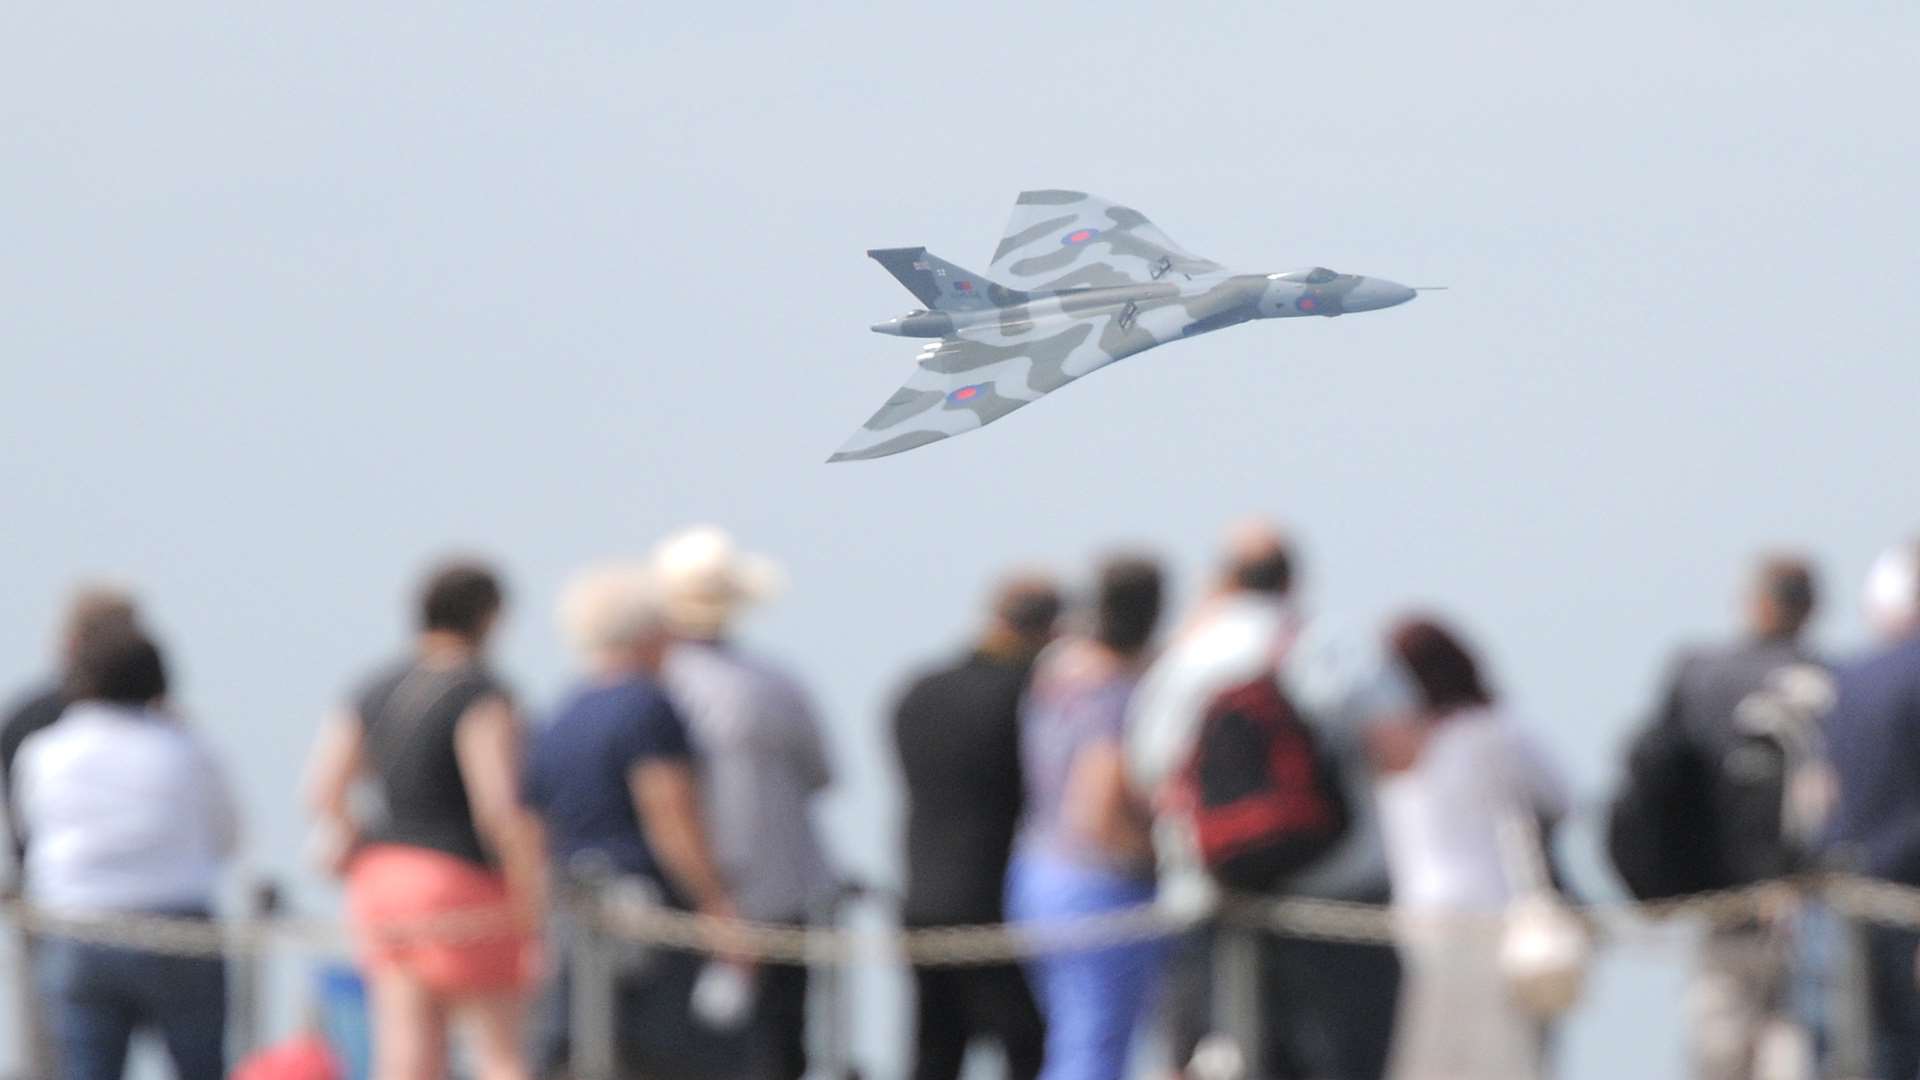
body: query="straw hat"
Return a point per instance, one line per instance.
(704, 579)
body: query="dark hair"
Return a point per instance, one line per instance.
(1029, 607)
(120, 665)
(460, 597)
(1127, 606)
(1788, 582)
(1443, 669)
(1269, 571)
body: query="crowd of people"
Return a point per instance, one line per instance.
(1077, 757)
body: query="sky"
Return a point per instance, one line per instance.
(293, 300)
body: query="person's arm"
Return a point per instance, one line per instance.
(666, 798)
(486, 744)
(1542, 779)
(337, 759)
(1099, 805)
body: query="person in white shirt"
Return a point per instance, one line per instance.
(1329, 1006)
(128, 814)
(1454, 774)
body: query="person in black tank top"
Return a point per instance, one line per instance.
(408, 715)
(435, 737)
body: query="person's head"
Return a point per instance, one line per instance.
(1783, 597)
(1893, 591)
(1445, 676)
(95, 609)
(1127, 601)
(118, 666)
(611, 617)
(706, 581)
(1025, 614)
(461, 598)
(1258, 558)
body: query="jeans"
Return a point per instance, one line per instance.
(655, 1031)
(1095, 999)
(1329, 1006)
(1895, 1002)
(97, 996)
(954, 1006)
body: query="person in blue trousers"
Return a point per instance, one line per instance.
(1085, 846)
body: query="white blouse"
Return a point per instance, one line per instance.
(123, 810)
(1441, 819)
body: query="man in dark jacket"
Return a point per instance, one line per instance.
(957, 731)
(1874, 739)
(1707, 805)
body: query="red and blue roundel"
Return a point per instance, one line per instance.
(967, 393)
(1079, 236)
(1309, 302)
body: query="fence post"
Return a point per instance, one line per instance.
(248, 959)
(1236, 990)
(1849, 1016)
(36, 1047)
(592, 1046)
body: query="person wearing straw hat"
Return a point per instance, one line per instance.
(762, 760)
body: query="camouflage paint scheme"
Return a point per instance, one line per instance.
(1078, 283)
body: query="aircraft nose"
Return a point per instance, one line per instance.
(1372, 294)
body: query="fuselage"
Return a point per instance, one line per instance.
(1208, 303)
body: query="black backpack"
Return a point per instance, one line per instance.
(1264, 798)
(1689, 821)
(1661, 835)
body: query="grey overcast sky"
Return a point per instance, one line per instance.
(294, 298)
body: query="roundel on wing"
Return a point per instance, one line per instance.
(966, 394)
(1079, 236)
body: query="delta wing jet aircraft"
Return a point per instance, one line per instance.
(1078, 282)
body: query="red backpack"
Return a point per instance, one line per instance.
(1264, 799)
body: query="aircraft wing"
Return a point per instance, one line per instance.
(1070, 239)
(981, 374)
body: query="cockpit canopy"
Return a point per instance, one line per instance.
(1319, 275)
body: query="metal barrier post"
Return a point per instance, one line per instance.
(35, 1043)
(1236, 991)
(1849, 1014)
(593, 1049)
(247, 960)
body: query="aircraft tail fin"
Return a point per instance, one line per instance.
(939, 284)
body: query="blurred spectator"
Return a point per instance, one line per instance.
(1085, 844)
(438, 737)
(128, 814)
(1329, 1005)
(957, 733)
(1452, 773)
(1874, 738)
(1704, 807)
(613, 775)
(93, 609)
(762, 763)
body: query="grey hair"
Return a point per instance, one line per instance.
(610, 606)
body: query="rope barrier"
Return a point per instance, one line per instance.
(1858, 898)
